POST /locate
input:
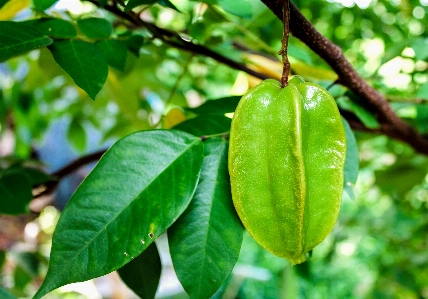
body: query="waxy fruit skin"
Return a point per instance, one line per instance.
(286, 158)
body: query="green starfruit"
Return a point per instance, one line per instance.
(286, 158)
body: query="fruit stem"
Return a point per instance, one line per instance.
(284, 49)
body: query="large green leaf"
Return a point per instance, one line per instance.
(114, 53)
(206, 124)
(5, 294)
(15, 193)
(140, 186)
(142, 274)
(17, 38)
(53, 27)
(206, 240)
(95, 27)
(83, 62)
(351, 162)
(219, 106)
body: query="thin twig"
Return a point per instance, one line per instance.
(66, 170)
(174, 89)
(284, 50)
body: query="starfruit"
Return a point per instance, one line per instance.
(286, 158)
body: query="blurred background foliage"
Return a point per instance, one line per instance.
(379, 247)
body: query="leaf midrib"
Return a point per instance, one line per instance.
(121, 211)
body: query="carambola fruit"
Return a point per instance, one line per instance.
(286, 158)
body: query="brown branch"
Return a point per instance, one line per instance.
(66, 170)
(391, 124)
(173, 39)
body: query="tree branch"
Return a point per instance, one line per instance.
(66, 170)
(392, 125)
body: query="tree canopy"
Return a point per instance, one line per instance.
(147, 89)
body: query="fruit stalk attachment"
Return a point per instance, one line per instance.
(284, 50)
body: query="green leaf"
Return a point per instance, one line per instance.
(167, 4)
(77, 135)
(219, 106)
(5, 294)
(17, 38)
(15, 193)
(142, 274)
(139, 187)
(423, 91)
(420, 46)
(351, 162)
(53, 27)
(134, 44)
(241, 8)
(2, 259)
(43, 4)
(353, 103)
(83, 62)
(35, 175)
(366, 117)
(114, 53)
(205, 241)
(409, 176)
(2, 3)
(206, 124)
(95, 27)
(134, 3)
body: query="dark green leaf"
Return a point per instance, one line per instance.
(134, 3)
(2, 259)
(17, 38)
(134, 44)
(28, 261)
(351, 162)
(5, 294)
(422, 118)
(205, 241)
(95, 27)
(83, 62)
(114, 53)
(43, 4)
(206, 124)
(15, 193)
(168, 4)
(35, 175)
(220, 106)
(400, 177)
(139, 187)
(77, 135)
(53, 27)
(142, 274)
(3, 2)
